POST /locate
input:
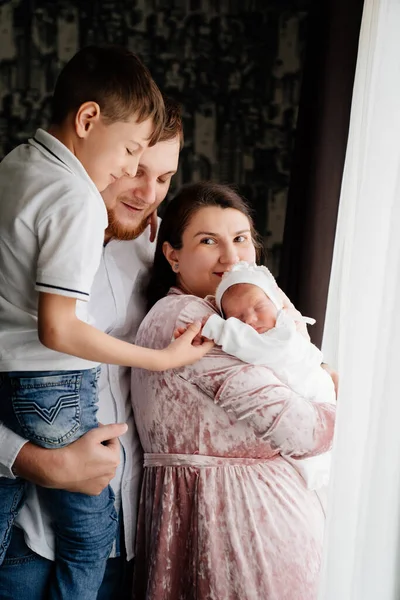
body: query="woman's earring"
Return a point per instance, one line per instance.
(175, 267)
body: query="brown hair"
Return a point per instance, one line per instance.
(117, 80)
(173, 126)
(179, 212)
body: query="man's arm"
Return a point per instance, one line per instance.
(86, 466)
(10, 445)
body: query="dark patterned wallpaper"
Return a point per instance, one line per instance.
(235, 65)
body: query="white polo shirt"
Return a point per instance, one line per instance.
(117, 307)
(52, 222)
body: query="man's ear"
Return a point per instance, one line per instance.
(170, 254)
(87, 115)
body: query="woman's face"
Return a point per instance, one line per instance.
(215, 239)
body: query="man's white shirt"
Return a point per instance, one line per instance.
(117, 307)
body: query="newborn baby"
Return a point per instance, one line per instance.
(258, 330)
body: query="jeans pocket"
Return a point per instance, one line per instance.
(47, 407)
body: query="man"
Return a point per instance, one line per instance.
(88, 465)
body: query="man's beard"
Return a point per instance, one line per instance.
(118, 231)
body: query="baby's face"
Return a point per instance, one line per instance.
(250, 304)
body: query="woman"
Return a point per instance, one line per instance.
(222, 515)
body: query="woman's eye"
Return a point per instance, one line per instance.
(240, 238)
(129, 152)
(208, 241)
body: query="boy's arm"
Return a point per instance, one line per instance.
(236, 338)
(70, 241)
(86, 466)
(60, 329)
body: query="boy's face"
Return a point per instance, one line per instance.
(250, 304)
(130, 200)
(109, 152)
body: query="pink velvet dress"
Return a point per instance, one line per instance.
(222, 516)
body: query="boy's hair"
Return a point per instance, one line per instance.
(117, 80)
(173, 126)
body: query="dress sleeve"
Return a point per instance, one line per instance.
(289, 423)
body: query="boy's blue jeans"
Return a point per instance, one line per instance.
(53, 409)
(25, 575)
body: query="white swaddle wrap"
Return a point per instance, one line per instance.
(295, 361)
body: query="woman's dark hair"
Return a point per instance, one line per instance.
(179, 212)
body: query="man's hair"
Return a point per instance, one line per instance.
(173, 126)
(117, 80)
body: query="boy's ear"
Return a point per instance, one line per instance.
(87, 115)
(170, 254)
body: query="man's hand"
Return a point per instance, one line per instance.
(86, 466)
(152, 220)
(334, 375)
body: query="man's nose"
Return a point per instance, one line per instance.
(147, 191)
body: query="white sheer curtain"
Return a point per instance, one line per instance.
(362, 332)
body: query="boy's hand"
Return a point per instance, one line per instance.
(187, 348)
(198, 339)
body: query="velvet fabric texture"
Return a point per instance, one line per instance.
(222, 515)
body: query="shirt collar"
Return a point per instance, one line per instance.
(57, 151)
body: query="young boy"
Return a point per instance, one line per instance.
(106, 111)
(259, 331)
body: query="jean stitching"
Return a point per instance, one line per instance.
(12, 516)
(73, 382)
(70, 400)
(20, 561)
(48, 415)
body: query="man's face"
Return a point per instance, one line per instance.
(130, 200)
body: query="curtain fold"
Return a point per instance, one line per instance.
(318, 158)
(362, 329)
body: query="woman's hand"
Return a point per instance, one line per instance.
(334, 375)
(295, 314)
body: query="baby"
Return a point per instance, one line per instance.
(258, 330)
